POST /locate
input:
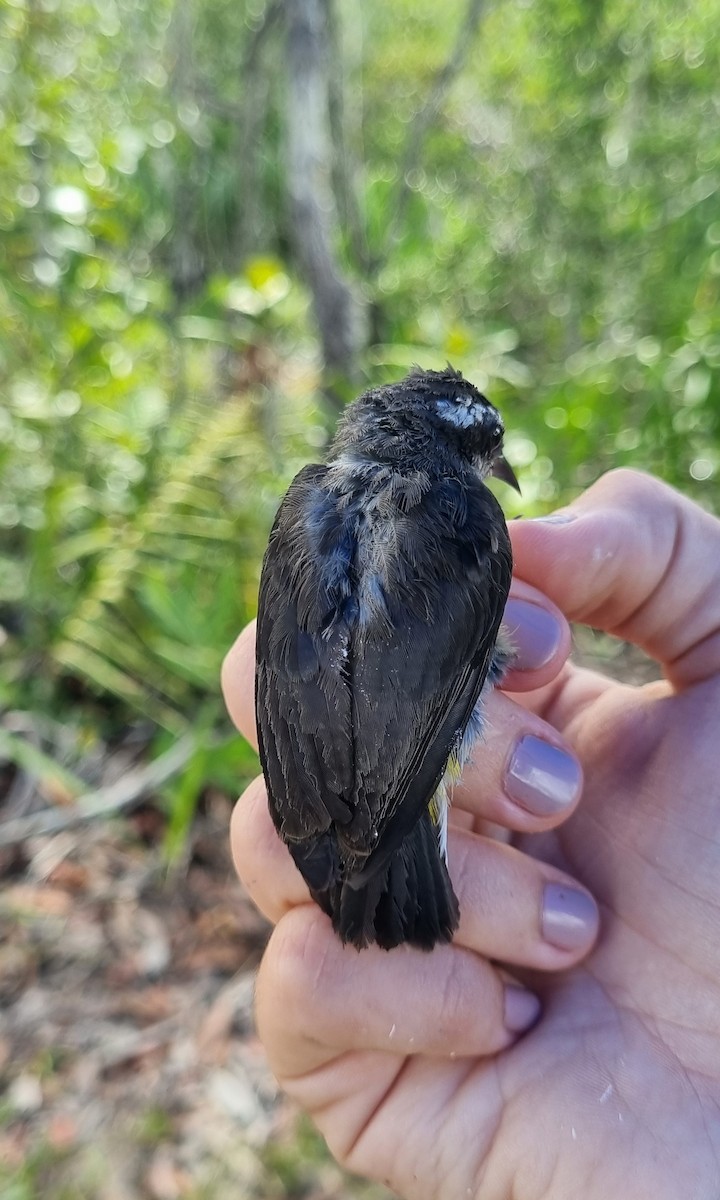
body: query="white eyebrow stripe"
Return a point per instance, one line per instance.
(458, 415)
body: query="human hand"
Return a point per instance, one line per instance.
(615, 1091)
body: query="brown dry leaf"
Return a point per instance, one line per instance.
(17, 969)
(72, 876)
(121, 972)
(13, 1147)
(220, 924)
(213, 1036)
(223, 959)
(55, 792)
(26, 898)
(142, 941)
(134, 1058)
(150, 1005)
(62, 1131)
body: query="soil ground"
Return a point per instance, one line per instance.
(129, 1065)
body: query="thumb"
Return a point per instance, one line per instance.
(634, 558)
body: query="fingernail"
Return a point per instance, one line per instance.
(562, 517)
(522, 1009)
(569, 917)
(535, 634)
(541, 778)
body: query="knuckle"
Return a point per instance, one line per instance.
(631, 524)
(629, 485)
(648, 516)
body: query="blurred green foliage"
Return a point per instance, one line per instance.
(557, 238)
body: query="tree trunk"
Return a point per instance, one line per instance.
(339, 310)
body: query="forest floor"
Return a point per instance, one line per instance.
(129, 1066)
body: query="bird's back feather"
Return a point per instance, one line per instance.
(377, 621)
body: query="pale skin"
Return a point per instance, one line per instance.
(404, 1059)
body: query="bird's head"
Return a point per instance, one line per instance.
(429, 416)
(460, 415)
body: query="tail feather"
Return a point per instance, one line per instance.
(409, 899)
(395, 908)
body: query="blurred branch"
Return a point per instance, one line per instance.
(426, 114)
(21, 744)
(250, 120)
(339, 312)
(185, 258)
(273, 12)
(105, 801)
(203, 92)
(344, 167)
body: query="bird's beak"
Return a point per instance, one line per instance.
(501, 469)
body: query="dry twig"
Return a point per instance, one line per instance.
(105, 801)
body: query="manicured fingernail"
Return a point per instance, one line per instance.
(541, 778)
(522, 1009)
(535, 634)
(562, 517)
(569, 917)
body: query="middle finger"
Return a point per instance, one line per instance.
(521, 774)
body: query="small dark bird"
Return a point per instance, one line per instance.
(382, 591)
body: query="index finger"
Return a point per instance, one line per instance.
(633, 557)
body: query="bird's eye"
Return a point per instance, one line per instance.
(494, 426)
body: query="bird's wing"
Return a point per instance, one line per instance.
(417, 678)
(363, 689)
(303, 699)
